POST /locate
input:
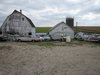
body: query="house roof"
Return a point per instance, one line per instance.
(58, 25)
(15, 11)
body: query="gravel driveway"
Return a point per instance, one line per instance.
(24, 59)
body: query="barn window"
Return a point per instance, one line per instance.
(29, 33)
(23, 19)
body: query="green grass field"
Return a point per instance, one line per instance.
(42, 29)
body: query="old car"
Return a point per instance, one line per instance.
(46, 38)
(24, 39)
(29, 39)
(98, 38)
(92, 38)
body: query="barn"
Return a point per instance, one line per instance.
(18, 23)
(61, 30)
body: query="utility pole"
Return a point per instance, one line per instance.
(76, 26)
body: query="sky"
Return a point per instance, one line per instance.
(47, 13)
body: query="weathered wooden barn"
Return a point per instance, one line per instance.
(61, 30)
(18, 23)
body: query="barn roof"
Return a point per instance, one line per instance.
(58, 25)
(15, 11)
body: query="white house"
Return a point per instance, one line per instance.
(18, 23)
(61, 30)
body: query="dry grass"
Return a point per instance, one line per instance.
(5, 47)
(89, 29)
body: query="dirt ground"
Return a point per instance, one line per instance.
(25, 59)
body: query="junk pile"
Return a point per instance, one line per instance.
(88, 37)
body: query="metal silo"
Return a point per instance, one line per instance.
(70, 21)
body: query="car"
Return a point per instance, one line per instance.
(46, 38)
(29, 39)
(98, 38)
(85, 37)
(92, 38)
(36, 39)
(24, 39)
(2, 39)
(79, 35)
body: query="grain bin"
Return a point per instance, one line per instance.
(70, 21)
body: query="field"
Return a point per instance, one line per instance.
(56, 58)
(90, 29)
(42, 29)
(78, 29)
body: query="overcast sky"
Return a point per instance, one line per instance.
(50, 12)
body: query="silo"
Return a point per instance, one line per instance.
(70, 21)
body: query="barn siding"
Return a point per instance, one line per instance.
(19, 23)
(62, 28)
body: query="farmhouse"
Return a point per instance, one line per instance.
(17, 23)
(61, 30)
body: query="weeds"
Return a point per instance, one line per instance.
(5, 47)
(42, 43)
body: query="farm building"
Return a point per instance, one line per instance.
(61, 30)
(17, 23)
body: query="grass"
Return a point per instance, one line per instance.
(42, 43)
(42, 29)
(74, 43)
(78, 42)
(5, 47)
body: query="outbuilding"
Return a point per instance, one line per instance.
(61, 30)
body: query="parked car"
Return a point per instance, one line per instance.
(98, 38)
(29, 39)
(24, 39)
(92, 38)
(85, 37)
(2, 39)
(38, 39)
(79, 36)
(46, 38)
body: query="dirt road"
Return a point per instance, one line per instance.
(25, 59)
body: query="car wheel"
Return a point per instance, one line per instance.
(19, 40)
(33, 41)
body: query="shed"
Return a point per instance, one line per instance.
(61, 30)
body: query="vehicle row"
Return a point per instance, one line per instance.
(88, 37)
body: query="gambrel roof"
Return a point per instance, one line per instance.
(29, 20)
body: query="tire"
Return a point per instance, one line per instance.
(33, 41)
(19, 40)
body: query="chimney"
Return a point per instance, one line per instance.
(20, 11)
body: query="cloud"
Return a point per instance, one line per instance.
(50, 12)
(75, 1)
(90, 16)
(97, 3)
